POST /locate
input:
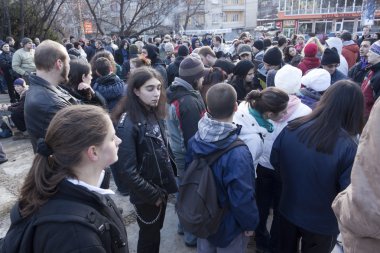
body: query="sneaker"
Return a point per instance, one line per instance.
(4, 161)
(19, 136)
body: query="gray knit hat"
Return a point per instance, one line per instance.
(244, 49)
(26, 41)
(191, 69)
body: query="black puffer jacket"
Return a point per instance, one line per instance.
(71, 221)
(144, 164)
(43, 100)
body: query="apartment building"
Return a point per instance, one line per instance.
(223, 16)
(322, 16)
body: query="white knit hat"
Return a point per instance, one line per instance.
(317, 79)
(288, 79)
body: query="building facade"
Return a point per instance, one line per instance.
(322, 16)
(223, 16)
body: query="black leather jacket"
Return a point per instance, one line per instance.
(145, 164)
(43, 100)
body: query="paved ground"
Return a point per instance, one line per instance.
(20, 155)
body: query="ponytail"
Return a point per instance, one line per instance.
(271, 99)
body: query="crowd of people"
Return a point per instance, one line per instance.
(144, 111)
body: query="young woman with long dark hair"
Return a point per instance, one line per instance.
(79, 84)
(145, 165)
(314, 155)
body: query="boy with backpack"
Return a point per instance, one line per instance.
(232, 169)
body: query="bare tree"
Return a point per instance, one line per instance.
(92, 9)
(134, 16)
(192, 9)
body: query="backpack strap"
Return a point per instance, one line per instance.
(215, 156)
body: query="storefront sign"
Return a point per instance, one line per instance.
(289, 23)
(340, 15)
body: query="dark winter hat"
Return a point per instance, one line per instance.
(19, 81)
(133, 49)
(258, 44)
(227, 66)
(310, 50)
(267, 43)
(183, 50)
(191, 69)
(152, 51)
(330, 56)
(243, 67)
(2, 43)
(273, 56)
(26, 41)
(244, 49)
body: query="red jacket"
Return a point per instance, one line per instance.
(351, 53)
(308, 63)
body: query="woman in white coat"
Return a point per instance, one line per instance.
(268, 185)
(254, 114)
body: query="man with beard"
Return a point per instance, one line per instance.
(45, 98)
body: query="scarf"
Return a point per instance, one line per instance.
(210, 130)
(260, 120)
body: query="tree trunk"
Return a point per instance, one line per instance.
(22, 22)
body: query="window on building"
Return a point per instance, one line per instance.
(225, 17)
(235, 17)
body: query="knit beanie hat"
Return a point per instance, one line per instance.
(191, 69)
(227, 66)
(133, 49)
(258, 44)
(310, 50)
(26, 41)
(330, 56)
(267, 43)
(288, 79)
(183, 50)
(244, 49)
(19, 81)
(273, 56)
(152, 51)
(317, 79)
(169, 47)
(243, 67)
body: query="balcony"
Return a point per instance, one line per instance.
(318, 10)
(233, 7)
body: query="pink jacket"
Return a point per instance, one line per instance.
(358, 207)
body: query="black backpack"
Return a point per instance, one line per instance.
(19, 237)
(197, 205)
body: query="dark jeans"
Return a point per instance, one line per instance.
(268, 192)
(11, 89)
(19, 121)
(310, 242)
(149, 235)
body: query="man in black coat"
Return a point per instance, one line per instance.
(44, 97)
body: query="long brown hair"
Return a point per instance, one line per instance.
(132, 104)
(71, 131)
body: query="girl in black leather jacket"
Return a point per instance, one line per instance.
(145, 165)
